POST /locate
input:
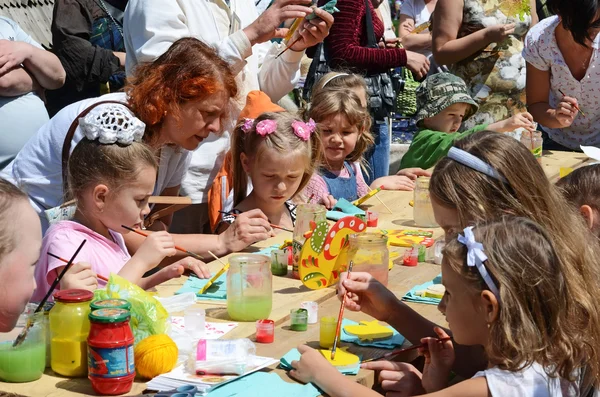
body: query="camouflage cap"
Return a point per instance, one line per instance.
(440, 90)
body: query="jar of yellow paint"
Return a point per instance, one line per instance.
(69, 329)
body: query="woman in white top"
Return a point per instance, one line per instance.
(181, 97)
(414, 13)
(562, 54)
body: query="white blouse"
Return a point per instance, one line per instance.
(542, 52)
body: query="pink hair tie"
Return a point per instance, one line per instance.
(247, 126)
(304, 130)
(266, 127)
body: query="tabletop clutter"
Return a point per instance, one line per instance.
(121, 331)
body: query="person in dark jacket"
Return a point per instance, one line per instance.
(87, 37)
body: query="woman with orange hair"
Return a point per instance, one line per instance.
(181, 97)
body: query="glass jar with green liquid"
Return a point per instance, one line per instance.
(249, 287)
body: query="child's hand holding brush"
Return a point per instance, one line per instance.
(439, 358)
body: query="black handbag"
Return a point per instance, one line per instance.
(379, 85)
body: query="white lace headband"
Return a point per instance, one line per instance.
(476, 257)
(467, 159)
(333, 77)
(112, 123)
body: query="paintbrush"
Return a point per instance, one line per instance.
(23, 333)
(270, 224)
(178, 248)
(380, 200)
(396, 352)
(576, 107)
(101, 277)
(310, 198)
(367, 196)
(340, 317)
(216, 276)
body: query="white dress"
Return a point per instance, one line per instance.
(530, 382)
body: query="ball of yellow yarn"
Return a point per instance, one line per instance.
(155, 355)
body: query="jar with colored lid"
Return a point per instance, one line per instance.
(110, 352)
(69, 329)
(110, 303)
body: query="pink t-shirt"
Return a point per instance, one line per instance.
(318, 187)
(63, 239)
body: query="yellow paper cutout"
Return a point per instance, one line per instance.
(342, 357)
(369, 330)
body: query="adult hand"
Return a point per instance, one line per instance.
(366, 294)
(79, 276)
(417, 63)
(497, 33)
(312, 31)
(439, 358)
(392, 42)
(328, 201)
(414, 173)
(13, 54)
(565, 111)
(266, 26)
(248, 228)
(310, 364)
(397, 379)
(155, 248)
(122, 58)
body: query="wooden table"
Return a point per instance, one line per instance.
(288, 293)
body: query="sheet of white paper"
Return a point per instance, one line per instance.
(591, 151)
(211, 330)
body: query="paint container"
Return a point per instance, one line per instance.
(313, 309)
(327, 332)
(195, 321)
(298, 319)
(279, 262)
(265, 331)
(372, 218)
(411, 257)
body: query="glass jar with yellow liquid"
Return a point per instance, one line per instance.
(249, 287)
(69, 329)
(369, 253)
(422, 210)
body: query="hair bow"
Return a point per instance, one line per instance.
(266, 127)
(304, 130)
(112, 123)
(476, 257)
(247, 126)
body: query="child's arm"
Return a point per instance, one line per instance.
(313, 368)
(153, 250)
(521, 120)
(317, 189)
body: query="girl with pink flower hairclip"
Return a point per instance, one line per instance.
(276, 153)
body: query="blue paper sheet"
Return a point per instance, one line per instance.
(411, 296)
(342, 209)
(294, 354)
(391, 343)
(217, 291)
(262, 384)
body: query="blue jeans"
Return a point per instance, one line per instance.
(378, 156)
